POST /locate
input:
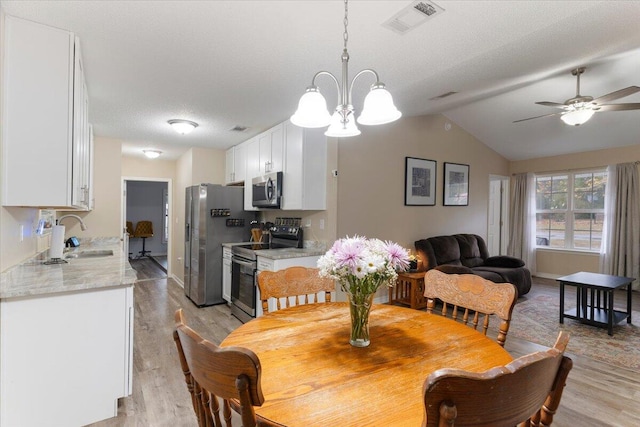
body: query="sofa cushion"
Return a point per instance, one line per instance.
(446, 250)
(470, 255)
(503, 261)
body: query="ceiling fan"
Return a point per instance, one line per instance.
(577, 110)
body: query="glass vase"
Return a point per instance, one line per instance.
(360, 306)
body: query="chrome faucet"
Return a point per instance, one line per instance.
(82, 226)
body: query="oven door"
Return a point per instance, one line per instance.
(243, 288)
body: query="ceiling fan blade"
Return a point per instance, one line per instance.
(616, 95)
(537, 117)
(552, 104)
(619, 107)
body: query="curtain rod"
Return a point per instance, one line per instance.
(637, 162)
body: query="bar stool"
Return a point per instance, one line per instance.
(144, 229)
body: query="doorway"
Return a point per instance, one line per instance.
(498, 215)
(148, 199)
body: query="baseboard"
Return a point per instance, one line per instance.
(178, 281)
(548, 275)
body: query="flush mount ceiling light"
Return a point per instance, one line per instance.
(378, 106)
(152, 154)
(183, 127)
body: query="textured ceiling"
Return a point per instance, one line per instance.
(228, 63)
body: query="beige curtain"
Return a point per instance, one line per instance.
(620, 254)
(522, 220)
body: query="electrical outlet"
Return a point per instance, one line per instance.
(21, 232)
(322, 224)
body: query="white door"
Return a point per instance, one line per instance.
(497, 218)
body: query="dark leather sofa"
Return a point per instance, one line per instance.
(468, 254)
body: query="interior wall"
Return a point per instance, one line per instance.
(555, 263)
(145, 203)
(371, 180)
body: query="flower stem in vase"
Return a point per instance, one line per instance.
(360, 306)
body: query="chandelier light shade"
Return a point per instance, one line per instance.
(378, 108)
(378, 104)
(152, 154)
(183, 127)
(312, 110)
(578, 116)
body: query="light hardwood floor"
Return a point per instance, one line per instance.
(596, 394)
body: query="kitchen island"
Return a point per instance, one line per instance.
(66, 336)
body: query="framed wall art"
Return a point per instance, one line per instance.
(456, 185)
(419, 182)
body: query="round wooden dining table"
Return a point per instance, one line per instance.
(312, 376)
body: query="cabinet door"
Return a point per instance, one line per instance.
(253, 170)
(271, 149)
(240, 162)
(264, 142)
(229, 168)
(226, 280)
(277, 150)
(38, 109)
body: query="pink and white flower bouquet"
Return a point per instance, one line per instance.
(362, 265)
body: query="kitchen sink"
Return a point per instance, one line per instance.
(97, 253)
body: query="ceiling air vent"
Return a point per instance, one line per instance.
(412, 16)
(238, 128)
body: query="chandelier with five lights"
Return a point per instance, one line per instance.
(378, 106)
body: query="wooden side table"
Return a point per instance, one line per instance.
(409, 290)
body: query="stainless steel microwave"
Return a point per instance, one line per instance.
(267, 190)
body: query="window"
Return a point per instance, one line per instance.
(570, 209)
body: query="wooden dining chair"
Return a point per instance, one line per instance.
(293, 286)
(212, 372)
(471, 296)
(526, 392)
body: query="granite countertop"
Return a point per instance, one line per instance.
(285, 253)
(33, 277)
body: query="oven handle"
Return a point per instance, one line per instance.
(245, 263)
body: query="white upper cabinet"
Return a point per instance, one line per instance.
(304, 184)
(300, 154)
(252, 170)
(236, 164)
(45, 129)
(271, 149)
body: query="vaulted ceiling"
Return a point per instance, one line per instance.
(246, 63)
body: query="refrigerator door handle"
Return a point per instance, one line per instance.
(187, 233)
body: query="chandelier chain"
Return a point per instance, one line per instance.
(345, 35)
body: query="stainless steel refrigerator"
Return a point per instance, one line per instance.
(213, 215)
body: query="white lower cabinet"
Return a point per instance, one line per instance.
(226, 274)
(269, 264)
(65, 358)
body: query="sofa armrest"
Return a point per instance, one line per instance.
(503, 261)
(454, 269)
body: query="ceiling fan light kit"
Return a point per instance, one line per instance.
(378, 106)
(183, 127)
(580, 109)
